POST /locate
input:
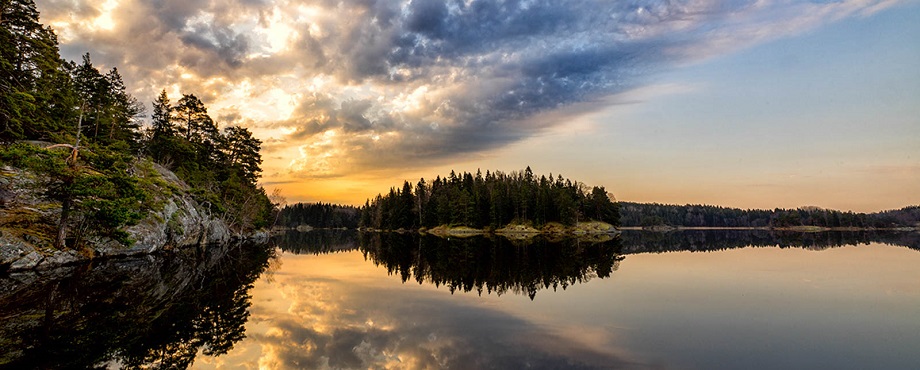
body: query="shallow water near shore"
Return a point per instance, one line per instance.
(679, 300)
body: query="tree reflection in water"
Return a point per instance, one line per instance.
(484, 264)
(498, 265)
(162, 311)
(494, 265)
(695, 240)
(154, 312)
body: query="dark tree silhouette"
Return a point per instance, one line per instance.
(493, 200)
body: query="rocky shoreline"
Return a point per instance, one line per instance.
(180, 222)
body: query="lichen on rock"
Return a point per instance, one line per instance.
(177, 220)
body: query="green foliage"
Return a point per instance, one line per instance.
(241, 151)
(150, 182)
(221, 168)
(162, 131)
(35, 98)
(111, 198)
(493, 200)
(42, 97)
(99, 196)
(193, 117)
(108, 110)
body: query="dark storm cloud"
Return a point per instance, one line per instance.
(513, 59)
(488, 66)
(221, 41)
(453, 33)
(427, 17)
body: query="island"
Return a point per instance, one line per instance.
(518, 203)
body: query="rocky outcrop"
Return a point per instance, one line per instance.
(181, 222)
(26, 220)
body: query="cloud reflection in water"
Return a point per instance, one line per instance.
(335, 316)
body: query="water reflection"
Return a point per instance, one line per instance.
(154, 312)
(494, 265)
(345, 301)
(341, 300)
(628, 242)
(499, 265)
(339, 311)
(637, 241)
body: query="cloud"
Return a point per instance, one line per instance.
(389, 84)
(332, 323)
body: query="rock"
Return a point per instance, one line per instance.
(593, 227)
(12, 250)
(59, 258)
(29, 261)
(181, 221)
(261, 236)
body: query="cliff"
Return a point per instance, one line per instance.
(176, 219)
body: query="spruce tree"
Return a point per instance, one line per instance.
(193, 115)
(36, 100)
(241, 150)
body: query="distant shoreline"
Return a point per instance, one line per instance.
(766, 228)
(552, 228)
(581, 229)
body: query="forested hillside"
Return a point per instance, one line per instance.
(78, 131)
(652, 214)
(492, 200)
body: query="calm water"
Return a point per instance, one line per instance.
(688, 300)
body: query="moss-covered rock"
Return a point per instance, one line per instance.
(28, 222)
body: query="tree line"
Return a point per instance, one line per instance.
(491, 201)
(319, 215)
(653, 214)
(94, 153)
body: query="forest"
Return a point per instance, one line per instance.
(630, 214)
(319, 215)
(654, 214)
(490, 201)
(83, 134)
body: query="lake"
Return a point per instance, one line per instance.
(676, 300)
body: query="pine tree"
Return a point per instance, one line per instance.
(36, 100)
(421, 201)
(122, 111)
(192, 113)
(161, 119)
(241, 150)
(162, 130)
(93, 90)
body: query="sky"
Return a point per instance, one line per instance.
(751, 104)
